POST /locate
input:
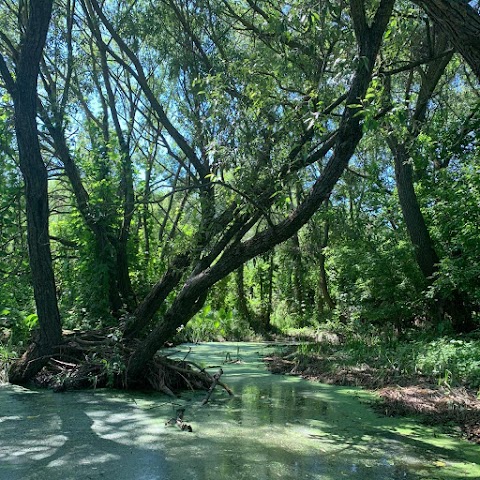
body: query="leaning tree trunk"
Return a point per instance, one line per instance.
(425, 253)
(192, 295)
(456, 305)
(24, 93)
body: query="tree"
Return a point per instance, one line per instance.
(23, 90)
(235, 251)
(177, 131)
(460, 23)
(437, 46)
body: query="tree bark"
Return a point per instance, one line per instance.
(24, 94)
(461, 23)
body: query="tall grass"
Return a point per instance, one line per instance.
(446, 360)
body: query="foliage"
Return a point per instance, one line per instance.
(456, 220)
(214, 325)
(199, 128)
(448, 361)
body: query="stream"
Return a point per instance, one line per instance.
(274, 427)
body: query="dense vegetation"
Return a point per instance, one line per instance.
(213, 169)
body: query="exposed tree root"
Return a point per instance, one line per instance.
(100, 359)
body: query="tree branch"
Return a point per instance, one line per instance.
(139, 75)
(7, 77)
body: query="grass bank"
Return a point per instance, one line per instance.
(437, 379)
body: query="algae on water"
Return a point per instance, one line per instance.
(274, 427)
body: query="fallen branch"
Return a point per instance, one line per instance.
(216, 379)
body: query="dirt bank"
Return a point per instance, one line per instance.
(454, 407)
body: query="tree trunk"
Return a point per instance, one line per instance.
(298, 282)
(267, 311)
(146, 214)
(425, 253)
(192, 295)
(24, 94)
(461, 23)
(242, 302)
(322, 273)
(187, 303)
(123, 281)
(456, 306)
(104, 241)
(147, 309)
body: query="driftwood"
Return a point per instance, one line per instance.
(216, 379)
(229, 359)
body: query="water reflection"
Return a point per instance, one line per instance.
(275, 427)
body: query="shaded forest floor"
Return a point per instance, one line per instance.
(457, 408)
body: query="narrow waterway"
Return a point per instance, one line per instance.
(275, 427)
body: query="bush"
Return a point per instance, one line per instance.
(215, 325)
(447, 361)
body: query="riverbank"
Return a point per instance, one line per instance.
(435, 398)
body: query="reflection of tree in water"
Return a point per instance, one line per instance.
(242, 440)
(273, 403)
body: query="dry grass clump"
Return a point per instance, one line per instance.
(436, 405)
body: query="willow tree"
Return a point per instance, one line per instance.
(225, 105)
(224, 240)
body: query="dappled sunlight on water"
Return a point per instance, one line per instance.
(275, 427)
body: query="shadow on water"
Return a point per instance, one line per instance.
(74, 436)
(275, 427)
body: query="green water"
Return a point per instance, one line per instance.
(275, 427)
